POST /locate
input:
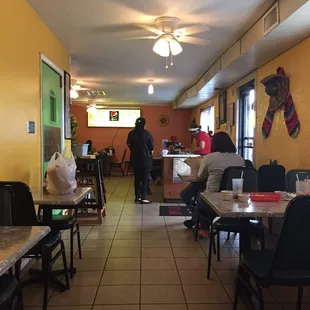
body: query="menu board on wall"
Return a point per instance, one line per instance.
(124, 118)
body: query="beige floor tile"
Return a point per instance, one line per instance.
(89, 264)
(158, 263)
(127, 243)
(198, 277)
(157, 252)
(227, 276)
(225, 263)
(133, 216)
(33, 295)
(94, 253)
(192, 263)
(76, 296)
(159, 277)
(227, 252)
(118, 295)
(123, 277)
(128, 228)
(156, 244)
(163, 307)
(211, 307)
(176, 243)
(123, 264)
(86, 278)
(155, 235)
(199, 294)
(181, 235)
(162, 294)
(61, 308)
(96, 244)
(125, 252)
(127, 235)
(100, 235)
(103, 228)
(188, 252)
(129, 222)
(116, 307)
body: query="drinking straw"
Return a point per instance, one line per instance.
(297, 177)
(241, 175)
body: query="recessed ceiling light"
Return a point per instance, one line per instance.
(150, 89)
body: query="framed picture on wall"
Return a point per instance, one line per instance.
(222, 107)
(217, 123)
(231, 114)
(67, 107)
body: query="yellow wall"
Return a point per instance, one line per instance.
(291, 153)
(23, 37)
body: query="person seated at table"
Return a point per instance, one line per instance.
(212, 166)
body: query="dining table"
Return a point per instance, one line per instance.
(48, 202)
(16, 241)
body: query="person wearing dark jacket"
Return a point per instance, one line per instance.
(141, 145)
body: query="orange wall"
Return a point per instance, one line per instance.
(292, 153)
(102, 137)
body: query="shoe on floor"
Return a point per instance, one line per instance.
(189, 224)
(137, 200)
(145, 201)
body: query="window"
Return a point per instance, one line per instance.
(207, 119)
(246, 121)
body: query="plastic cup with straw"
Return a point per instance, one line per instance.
(237, 185)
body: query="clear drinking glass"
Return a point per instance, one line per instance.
(302, 187)
(237, 186)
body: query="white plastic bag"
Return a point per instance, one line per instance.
(60, 175)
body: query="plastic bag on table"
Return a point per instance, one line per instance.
(60, 176)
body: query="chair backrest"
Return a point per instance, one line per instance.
(291, 178)
(124, 155)
(271, 178)
(22, 209)
(293, 246)
(250, 178)
(248, 163)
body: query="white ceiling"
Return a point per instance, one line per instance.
(92, 30)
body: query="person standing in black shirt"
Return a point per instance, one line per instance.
(141, 145)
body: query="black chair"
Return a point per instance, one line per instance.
(18, 196)
(11, 296)
(287, 265)
(118, 165)
(248, 163)
(250, 184)
(291, 178)
(271, 178)
(127, 166)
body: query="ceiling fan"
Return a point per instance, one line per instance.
(169, 36)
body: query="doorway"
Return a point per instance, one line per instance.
(52, 115)
(246, 121)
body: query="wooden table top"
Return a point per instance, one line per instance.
(236, 208)
(42, 197)
(17, 241)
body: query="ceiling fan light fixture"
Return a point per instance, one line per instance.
(150, 89)
(175, 47)
(74, 94)
(161, 47)
(76, 87)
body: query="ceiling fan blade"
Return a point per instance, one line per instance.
(187, 31)
(141, 38)
(193, 40)
(150, 28)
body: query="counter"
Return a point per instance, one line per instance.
(172, 166)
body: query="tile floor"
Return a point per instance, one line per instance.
(138, 260)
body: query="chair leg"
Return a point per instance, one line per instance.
(299, 298)
(64, 260)
(262, 241)
(110, 169)
(79, 240)
(214, 248)
(211, 243)
(46, 268)
(197, 228)
(228, 236)
(270, 225)
(237, 289)
(123, 171)
(71, 252)
(218, 247)
(260, 296)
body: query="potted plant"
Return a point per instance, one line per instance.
(78, 149)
